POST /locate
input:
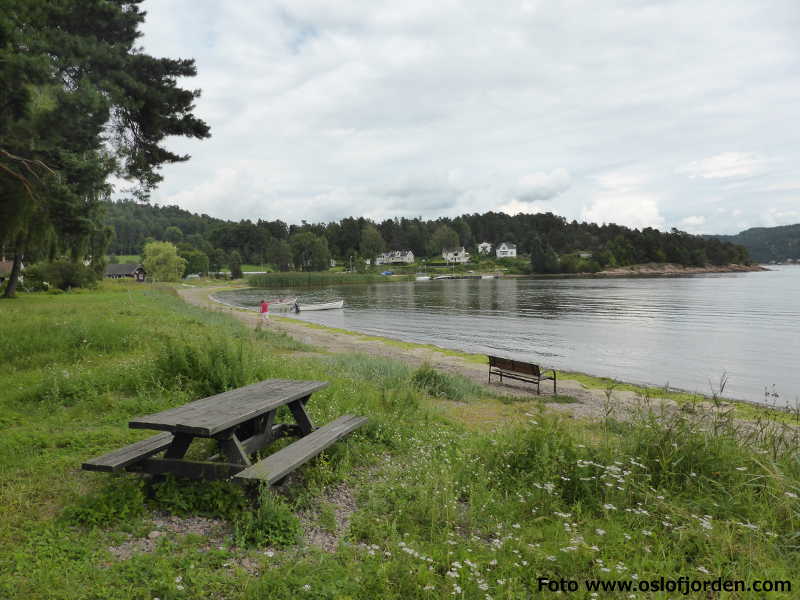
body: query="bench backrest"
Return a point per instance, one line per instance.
(517, 366)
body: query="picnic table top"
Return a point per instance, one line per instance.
(212, 415)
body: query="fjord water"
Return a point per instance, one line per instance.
(684, 332)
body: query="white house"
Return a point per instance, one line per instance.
(395, 257)
(507, 250)
(455, 255)
(484, 248)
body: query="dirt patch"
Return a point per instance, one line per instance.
(214, 530)
(325, 526)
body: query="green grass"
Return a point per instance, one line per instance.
(442, 510)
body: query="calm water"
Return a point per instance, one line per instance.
(685, 332)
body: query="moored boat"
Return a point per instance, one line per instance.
(320, 306)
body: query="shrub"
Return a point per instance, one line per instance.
(123, 498)
(210, 498)
(61, 274)
(444, 385)
(272, 523)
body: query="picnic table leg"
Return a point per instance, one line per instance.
(179, 446)
(301, 416)
(233, 450)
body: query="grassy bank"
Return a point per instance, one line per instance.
(299, 279)
(422, 505)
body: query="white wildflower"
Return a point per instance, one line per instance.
(703, 570)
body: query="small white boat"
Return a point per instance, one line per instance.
(444, 277)
(321, 306)
(423, 277)
(487, 276)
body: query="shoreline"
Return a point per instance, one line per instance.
(589, 390)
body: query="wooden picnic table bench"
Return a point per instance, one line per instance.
(242, 421)
(521, 371)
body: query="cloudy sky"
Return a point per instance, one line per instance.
(672, 113)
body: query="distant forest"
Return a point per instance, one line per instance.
(312, 245)
(767, 244)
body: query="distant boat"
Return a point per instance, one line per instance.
(487, 276)
(444, 277)
(321, 306)
(423, 278)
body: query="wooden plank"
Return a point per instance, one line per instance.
(179, 446)
(212, 415)
(278, 465)
(298, 408)
(118, 459)
(190, 469)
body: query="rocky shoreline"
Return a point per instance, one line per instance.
(674, 269)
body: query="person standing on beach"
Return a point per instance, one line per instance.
(265, 310)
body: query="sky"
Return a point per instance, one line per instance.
(673, 113)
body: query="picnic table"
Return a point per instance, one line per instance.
(242, 421)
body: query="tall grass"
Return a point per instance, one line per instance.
(424, 507)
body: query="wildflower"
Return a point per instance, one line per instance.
(493, 562)
(551, 557)
(178, 579)
(456, 588)
(269, 553)
(428, 588)
(609, 507)
(600, 531)
(741, 468)
(790, 494)
(452, 574)
(703, 570)
(646, 532)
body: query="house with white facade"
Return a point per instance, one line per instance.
(506, 250)
(395, 257)
(484, 248)
(455, 255)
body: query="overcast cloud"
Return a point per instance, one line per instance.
(679, 113)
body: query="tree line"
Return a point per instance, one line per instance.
(80, 101)
(553, 243)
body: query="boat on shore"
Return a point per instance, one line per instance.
(320, 306)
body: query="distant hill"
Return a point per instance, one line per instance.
(766, 244)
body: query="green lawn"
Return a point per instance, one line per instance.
(436, 506)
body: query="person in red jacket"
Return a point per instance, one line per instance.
(265, 310)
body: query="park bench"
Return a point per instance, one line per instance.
(242, 421)
(521, 371)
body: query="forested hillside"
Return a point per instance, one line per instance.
(311, 245)
(766, 244)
